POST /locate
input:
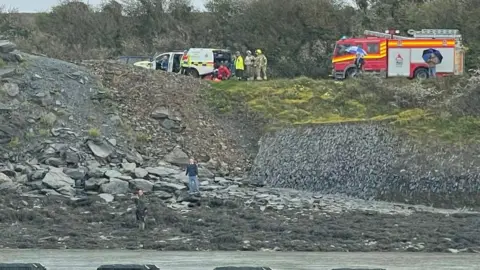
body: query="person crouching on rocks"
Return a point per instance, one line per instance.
(192, 172)
(141, 211)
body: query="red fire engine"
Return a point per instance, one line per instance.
(398, 56)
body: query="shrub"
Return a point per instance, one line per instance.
(94, 133)
(48, 120)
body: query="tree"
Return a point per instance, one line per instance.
(297, 36)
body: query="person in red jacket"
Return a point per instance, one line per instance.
(223, 72)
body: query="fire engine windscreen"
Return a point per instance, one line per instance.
(341, 49)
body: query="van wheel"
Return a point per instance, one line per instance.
(421, 73)
(193, 72)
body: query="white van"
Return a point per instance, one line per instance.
(203, 61)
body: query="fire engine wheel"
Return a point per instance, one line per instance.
(193, 72)
(351, 73)
(421, 73)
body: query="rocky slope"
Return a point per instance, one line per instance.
(165, 110)
(77, 140)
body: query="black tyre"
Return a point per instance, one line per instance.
(351, 73)
(421, 73)
(193, 72)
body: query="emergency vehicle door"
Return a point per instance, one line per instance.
(398, 62)
(177, 57)
(201, 60)
(170, 62)
(376, 58)
(153, 62)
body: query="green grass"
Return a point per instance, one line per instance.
(143, 137)
(303, 101)
(48, 120)
(43, 132)
(14, 142)
(94, 133)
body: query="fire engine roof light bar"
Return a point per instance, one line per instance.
(437, 33)
(392, 31)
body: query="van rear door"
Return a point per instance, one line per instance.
(201, 60)
(222, 56)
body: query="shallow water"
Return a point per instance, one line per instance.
(88, 259)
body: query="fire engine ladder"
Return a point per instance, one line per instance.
(438, 34)
(384, 35)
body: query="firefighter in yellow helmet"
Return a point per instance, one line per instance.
(260, 65)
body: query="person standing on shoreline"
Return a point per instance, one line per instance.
(141, 211)
(192, 173)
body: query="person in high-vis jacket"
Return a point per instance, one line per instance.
(239, 66)
(184, 62)
(260, 65)
(249, 68)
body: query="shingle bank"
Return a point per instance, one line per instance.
(369, 161)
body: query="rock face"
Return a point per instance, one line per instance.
(8, 52)
(367, 161)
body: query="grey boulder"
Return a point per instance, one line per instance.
(142, 184)
(115, 186)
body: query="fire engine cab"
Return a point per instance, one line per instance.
(393, 55)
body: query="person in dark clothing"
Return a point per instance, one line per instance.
(192, 173)
(359, 62)
(141, 211)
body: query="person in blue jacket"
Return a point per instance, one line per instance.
(164, 63)
(192, 173)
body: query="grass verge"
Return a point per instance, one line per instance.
(431, 108)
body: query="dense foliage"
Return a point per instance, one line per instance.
(297, 36)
